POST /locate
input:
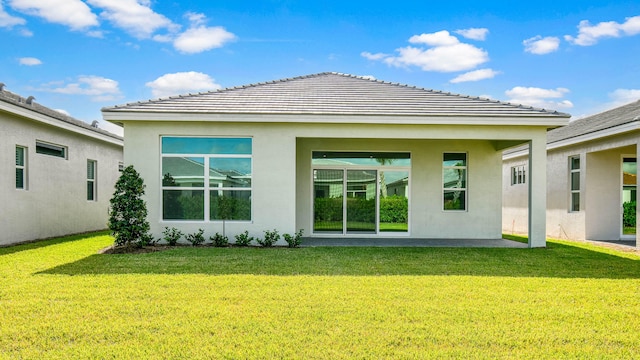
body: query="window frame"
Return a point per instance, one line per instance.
(464, 189)
(92, 183)
(518, 175)
(574, 192)
(23, 167)
(206, 187)
(50, 149)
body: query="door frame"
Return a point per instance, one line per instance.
(624, 236)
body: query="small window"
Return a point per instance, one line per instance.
(518, 175)
(51, 149)
(91, 180)
(120, 166)
(454, 181)
(574, 183)
(21, 167)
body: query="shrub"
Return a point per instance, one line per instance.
(394, 209)
(243, 239)
(196, 238)
(219, 240)
(128, 212)
(270, 238)
(293, 240)
(172, 236)
(629, 214)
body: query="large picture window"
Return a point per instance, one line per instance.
(206, 179)
(574, 182)
(454, 181)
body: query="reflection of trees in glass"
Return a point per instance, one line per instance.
(383, 183)
(171, 207)
(230, 207)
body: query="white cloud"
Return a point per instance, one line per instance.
(440, 38)
(475, 75)
(199, 38)
(370, 56)
(474, 33)
(181, 82)
(29, 61)
(621, 97)
(458, 57)
(72, 13)
(9, 21)
(538, 97)
(98, 88)
(540, 46)
(445, 54)
(62, 111)
(590, 34)
(134, 16)
(202, 38)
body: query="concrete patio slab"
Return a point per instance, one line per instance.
(405, 242)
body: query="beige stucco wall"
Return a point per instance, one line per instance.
(55, 201)
(281, 197)
(600, 209)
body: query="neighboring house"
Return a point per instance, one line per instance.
(591, 178)
(58, 173)
(321, 152)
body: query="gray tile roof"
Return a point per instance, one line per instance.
(333, 94)
(605, 120)
(29, 104)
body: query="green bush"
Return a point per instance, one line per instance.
(394, 209)
(172, 236)
(243, 239)
(328, 209)
(128, 212)
(293, 240)
(629, 215)
(230, 208)
(270, 238)
(196, 238)
(219, 240)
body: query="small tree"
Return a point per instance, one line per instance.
(128, 212)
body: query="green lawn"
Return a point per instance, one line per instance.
(60, 299)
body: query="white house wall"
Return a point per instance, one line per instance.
(426, 216)
(600, 209)
(281, 179)
(55, 201)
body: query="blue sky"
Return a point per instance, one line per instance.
(78, 56)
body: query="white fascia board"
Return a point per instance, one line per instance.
(616, 130)
(44, 119)
(119, 117)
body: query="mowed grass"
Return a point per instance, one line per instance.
(60, 299)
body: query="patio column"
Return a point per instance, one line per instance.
(637, 207)
(538, 191)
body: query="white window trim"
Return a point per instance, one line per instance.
(466, 181)
(207, 188)
(24, 167)
(94, 181)
(518, 175)
(44, 144)
(571, 190)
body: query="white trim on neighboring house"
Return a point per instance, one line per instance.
(45, 119)
(616, 130)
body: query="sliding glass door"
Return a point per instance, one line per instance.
(360, 193)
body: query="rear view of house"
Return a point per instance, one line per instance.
(592, 178)
(335, 155)
(58, 173)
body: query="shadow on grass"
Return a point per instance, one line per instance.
(37, 244)
(556, 261)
